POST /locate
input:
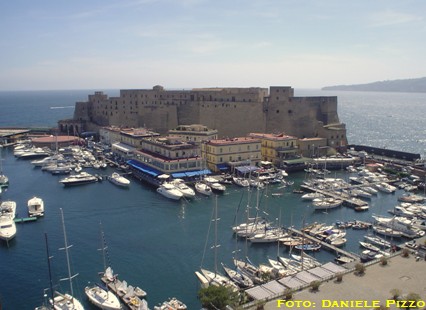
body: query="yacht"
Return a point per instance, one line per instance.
(7, 227)
(241, 182)
(183, 188)
(203, 188)
(8, 208)
(169, 190)
(35, 207)
(119, 180)
(215, 185)
(77, 179)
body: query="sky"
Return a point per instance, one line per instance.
(122, 44)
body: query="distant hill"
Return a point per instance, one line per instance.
(408, 85)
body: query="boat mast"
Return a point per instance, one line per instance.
(66, 247)
(215, 237)
(49, 268)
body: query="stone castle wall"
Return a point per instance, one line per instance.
(232, 111)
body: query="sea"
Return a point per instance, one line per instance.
(158, 244)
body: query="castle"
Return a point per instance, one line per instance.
(232, 111)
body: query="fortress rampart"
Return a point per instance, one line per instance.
(232, 111)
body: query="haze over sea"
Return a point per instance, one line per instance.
(155, 243)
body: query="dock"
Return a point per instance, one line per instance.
(351, 202)
(132, 297)
(25, 219)
(324, 244)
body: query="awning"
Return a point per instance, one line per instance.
(246, 169)
(222, 166)
(143, 168)
(197, 172)
(123, 147)
(179, 175)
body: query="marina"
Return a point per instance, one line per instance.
(156, 254)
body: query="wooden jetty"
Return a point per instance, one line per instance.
(324, 244)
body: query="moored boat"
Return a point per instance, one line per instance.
(79, 179)
(119, 180)
(203, 188)
(169, 190)
(35, 207)
(102, 298)
(171, 304)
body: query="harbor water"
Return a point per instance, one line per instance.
(156, 243)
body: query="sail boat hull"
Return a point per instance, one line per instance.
(102, 298)
(66, 301)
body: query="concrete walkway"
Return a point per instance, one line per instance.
(370, 290)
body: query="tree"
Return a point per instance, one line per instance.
(405, 252)
(315, 286)
(359, 269)
(412, 297)
(395, 293)
(217, 297)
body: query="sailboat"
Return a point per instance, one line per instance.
(214, 277)
(46, 304)
(66, 301)
(99, 294)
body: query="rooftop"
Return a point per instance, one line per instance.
(272, 136)
(230, 141)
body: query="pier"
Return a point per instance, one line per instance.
(351, 202)
(324, 244)
(25, 219)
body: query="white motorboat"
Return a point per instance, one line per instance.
(169, 190)
(385, 187)
(102, 298)
(78, 179)
(203, 188)
(35, 207)
(215, 185)
(8, 208)
(119, 180)
(7, 227)
(183, 188)
(241, 182)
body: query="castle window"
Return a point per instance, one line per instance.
(278, 98)
(290, 111)
(278, 111)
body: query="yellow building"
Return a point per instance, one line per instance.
(226, 154)
(277, 148)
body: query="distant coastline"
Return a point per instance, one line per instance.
(417, 85)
